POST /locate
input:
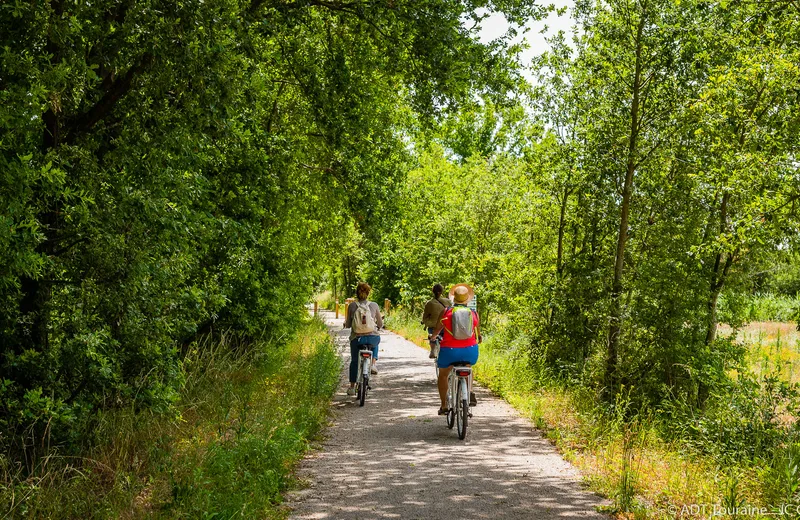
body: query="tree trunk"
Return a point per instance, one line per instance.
(560, 253)
(561, 226)
(722, 263)
(615, 328)
(36, 292)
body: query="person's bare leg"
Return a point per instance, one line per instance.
(442, 384)
(473, 400)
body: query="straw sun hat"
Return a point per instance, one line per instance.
(461, 293)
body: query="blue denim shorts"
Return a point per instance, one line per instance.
(359, 341)
(450, 355)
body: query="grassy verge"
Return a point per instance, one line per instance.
(629, 462)
(625, 462)
(773, 348)
(242, 423)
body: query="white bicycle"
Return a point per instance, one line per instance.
(364, 365)
(458, 397)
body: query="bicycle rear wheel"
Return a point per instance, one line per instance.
(365, 386)
(462, 408)
(360, 384)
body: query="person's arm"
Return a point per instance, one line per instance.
(436, 332)
(478, 336)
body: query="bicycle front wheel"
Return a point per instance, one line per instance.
(435, 350)
(462, 408)
(451, 413)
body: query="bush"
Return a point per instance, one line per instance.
(743, 422)
(245, 415)
(737, 308)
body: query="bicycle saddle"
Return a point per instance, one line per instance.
(460, 364)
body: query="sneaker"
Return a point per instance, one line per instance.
(351, 391)
(373, 370)
(473, 401)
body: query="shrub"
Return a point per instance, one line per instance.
(745, 421)
(245, 415)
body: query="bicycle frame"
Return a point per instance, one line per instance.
(458, 388)
(456, 375)
(364, 365)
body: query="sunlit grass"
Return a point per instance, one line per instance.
(772, 348)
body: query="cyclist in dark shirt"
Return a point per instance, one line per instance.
(433, 312)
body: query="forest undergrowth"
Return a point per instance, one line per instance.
(674, 461)
(246, 413)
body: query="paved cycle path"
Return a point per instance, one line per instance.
(395, 457)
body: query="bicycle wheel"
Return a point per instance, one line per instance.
(462, 408)
(451, 413)
(434, 349)
(363, 396)
(360, 393)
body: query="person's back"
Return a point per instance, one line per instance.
(433, 312)
(369, 318)
(363, 319)
(435, 307)
(460, 325)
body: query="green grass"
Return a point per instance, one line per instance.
(765, 306)
(325, 300)
(772, 307)
(772, 348)
(241, 425)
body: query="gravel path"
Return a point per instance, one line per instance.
(395, 458)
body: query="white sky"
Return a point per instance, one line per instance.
(496, 25)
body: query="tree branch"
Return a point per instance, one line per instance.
(116, 90)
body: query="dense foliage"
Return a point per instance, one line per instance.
(172, 169)
(656, 173)
(244, 422)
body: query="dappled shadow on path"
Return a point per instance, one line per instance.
(395, 458)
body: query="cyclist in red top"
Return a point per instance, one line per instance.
(456, 350)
